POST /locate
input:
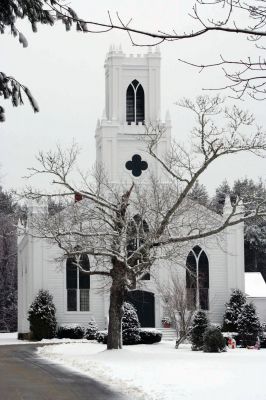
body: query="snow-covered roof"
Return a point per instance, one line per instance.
(255, 285)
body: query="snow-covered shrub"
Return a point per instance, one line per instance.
(248, 325)
(70, 331)
(41, 316)
(91, 330)
(233, 310)
(130, 325)
(150, 336)
(213, 340)
(102, 336)
(199, 324)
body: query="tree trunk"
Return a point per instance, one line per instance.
(117, 298)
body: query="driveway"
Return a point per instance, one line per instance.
(25, 376)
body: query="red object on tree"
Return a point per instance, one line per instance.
(78, 197)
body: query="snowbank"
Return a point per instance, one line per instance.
(10, 338)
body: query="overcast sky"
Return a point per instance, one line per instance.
(64, 71)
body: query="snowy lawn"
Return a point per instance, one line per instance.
(160, 372)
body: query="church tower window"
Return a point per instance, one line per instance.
(78, 284)
(135, 103)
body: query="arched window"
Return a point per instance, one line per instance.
(197, 279)
(135, 103)
(137, 230)
(78, 284)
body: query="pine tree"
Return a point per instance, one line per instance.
(41, 316)
(218, 200)
(199, 194)
(233, 310)
(8, 263)
(130, 325)
(248, 325)
(213, 340)
(35, 12)
(255, 229)
(199, 325)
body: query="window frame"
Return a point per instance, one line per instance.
(77, 294)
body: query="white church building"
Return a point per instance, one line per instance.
(132, 96)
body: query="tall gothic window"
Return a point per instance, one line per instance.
(197, 279)
(135, 103)
(78, 284)
(137, 230)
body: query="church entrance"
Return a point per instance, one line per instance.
(144, 303)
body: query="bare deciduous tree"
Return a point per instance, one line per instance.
(246, 75)
(110, 224)
(174, 296)
(230, 17)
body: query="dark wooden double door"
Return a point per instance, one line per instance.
(143, 301)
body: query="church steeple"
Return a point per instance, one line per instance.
(132, 99)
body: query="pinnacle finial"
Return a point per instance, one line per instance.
(227, 205)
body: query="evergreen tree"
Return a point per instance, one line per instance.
(213, 340)
(41, 316)
(130, 325)
(218, 200)
(255, 229)
(8, 263)
(199, 194)
(34, 11)
(248, 325)
(233, 310)
(199, 324)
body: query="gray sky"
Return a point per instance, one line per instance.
(64, 71)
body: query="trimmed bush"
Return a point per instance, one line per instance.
(130, 325)
(91, 330)
(102, 336)
(199, 324)
(70, 331)
(41, 316)
(149, 336)
(213, 340)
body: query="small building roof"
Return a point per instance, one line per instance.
(255, 285)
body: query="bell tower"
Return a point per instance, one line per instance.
(132, 99)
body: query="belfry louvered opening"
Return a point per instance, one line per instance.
(135, 103)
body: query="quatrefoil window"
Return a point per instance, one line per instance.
(136, 165)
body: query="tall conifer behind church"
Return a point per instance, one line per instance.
(8, 263)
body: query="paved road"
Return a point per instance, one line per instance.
(25, 376)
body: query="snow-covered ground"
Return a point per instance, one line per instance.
(159, 372)
(10, 338)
